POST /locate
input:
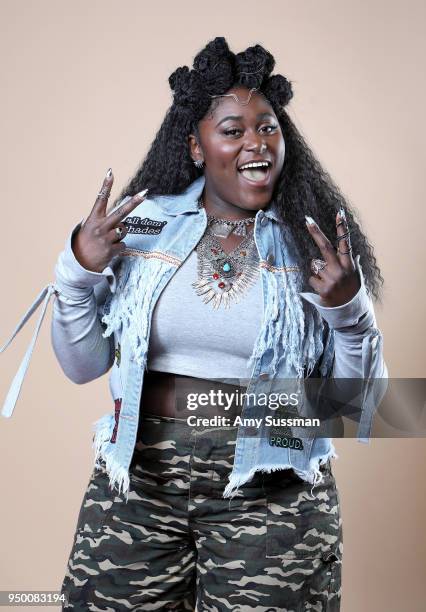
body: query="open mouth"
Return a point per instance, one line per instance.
(256, 172)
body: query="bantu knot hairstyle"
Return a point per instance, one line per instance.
(216, 69)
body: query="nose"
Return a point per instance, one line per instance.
(255, 143)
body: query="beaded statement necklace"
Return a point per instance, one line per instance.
(223, 278)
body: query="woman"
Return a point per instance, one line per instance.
(195, 291)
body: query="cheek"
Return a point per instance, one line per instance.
(280, 153)
(223, 155)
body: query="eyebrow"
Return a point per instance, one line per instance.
(239, 117)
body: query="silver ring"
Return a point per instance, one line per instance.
(317, 265)
(118, 231)
(345, 252)
(345, 235)
(103, 192)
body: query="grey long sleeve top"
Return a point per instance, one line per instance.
(76, 327)
(77, 330)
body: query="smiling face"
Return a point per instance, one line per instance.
(231, 136)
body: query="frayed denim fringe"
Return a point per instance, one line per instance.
(130, 306)
(296, 336)
(117, 474)
(137, 282)
(314, 476)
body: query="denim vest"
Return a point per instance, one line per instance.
(292, 343)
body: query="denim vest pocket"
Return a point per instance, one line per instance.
(301, 524)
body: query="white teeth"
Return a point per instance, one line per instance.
(254, 165)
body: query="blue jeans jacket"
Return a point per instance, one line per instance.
(298, 337)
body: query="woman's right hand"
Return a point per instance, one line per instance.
(97, 242)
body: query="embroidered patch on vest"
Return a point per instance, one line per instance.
(117, 407)
(285, 442)
(281, 435)
(118, 355)
(137, 225)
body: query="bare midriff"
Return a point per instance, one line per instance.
(159, 394)
(166, 394)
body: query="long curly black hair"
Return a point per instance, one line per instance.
(303, 187)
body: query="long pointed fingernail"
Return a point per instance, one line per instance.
(109, 173)
(141, 194)
(309, 220)
(342, 213)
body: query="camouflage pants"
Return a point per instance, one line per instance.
(178, 545)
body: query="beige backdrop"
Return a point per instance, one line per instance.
(84, 88)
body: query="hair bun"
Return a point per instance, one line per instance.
(178, 78)
(253, 66)
(278, 90)
(188, 89)
(215, 65)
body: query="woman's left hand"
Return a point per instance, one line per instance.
(338, 281)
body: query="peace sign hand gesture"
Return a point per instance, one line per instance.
(335, 278)
(99, 238)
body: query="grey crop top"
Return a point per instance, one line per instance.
(192, 338)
